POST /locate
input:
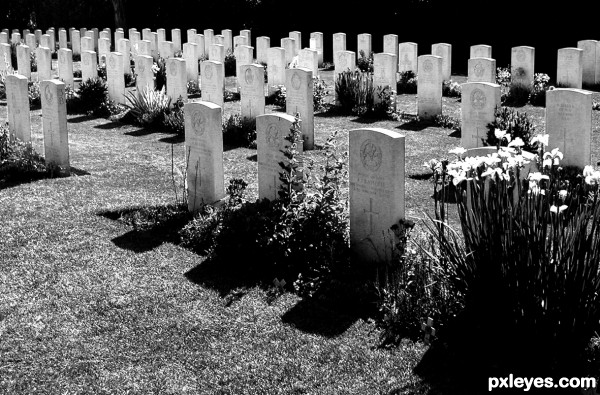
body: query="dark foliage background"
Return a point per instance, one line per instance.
(544, 25)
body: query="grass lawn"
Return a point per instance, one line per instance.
(87, 305)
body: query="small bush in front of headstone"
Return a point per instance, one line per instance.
(76, 57)
(33, 61)
(93, 93)
(229, 64)
(364, 62)
(596, 106)
(101, 68)
(33, 91)
(407, 82)
(537, 97)
(129, 79)
(149, 109)
(160, 73)
(355, 92)
(231, 95)
(239, 132)
(13, 55)
(386, 106)
(18, 160)
(319, 93)
(516, 124)
(173, 119)
(447, 122)
(76, 73)
(327, 66)
(193, 88)
(277, 98)
(451, 89)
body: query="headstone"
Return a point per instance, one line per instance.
(17, 102)
(145, 48)
(176, 79)
(191, 36)
(130, 33)
(46, 42)
(376, 175)
(246, 33)
(276, 67)
(201, 42)
(103, 49)
(108, 35)
(44, 61)
(24, 61)
(16, 38)
(54, 124)
(299, 99)
(482, 70)
(480, 51)
(364, 44)
(135, 39)
(114, 77)
(590, 61)
(339, 44)
(119, 35)
(271, 133)
(190, 54)
(318, 37)
(87, 44)
(390, 45)
(52, 34)
(297, 36)
(309, 59)
(384, 73)
(124, 47)
(105, 35)
(38, 35)
(569, 125)
(263, 44)
(252, 90)
(219, 39)
(244, 55)
(217, 53)
(166, 49)
(570, 68)
(522, 65)
(76, 42)
(3, 38)
(344, 61)
(146, 34)
(89, 65)
(30, 41)
(429, 86)
(145, 75)
(5, 57)
(154, 44)
(444, 51)
(65, 66)
(204, 153)
(227, 39)
(239, 40)
(162, 35)
(208, 39)
(478, 107)
(176, 39)
(94, 35)
(212, 77)
(289, 45)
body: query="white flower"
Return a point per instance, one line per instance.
(562, 194)
(547, 163)
(537, 176)
(458, 151)
(517, 142)
(588, 171)
(557, 210)
(499, 134)
(540, 138)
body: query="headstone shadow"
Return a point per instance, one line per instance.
(81, 118)
(414, 125)
(110, 125)
(175, 139)
(11, 180)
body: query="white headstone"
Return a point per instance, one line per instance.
(289, 45)
(17, 102)
(263, 44)
(390, 45)
(478, 106)
(271, 133)
(76, 42)
(190, 54)
(384, 73)
(103, 49)
(166, 49)
(299, 99)
(297, 36)
(227, 40)
(119, 35)
(344, 61)
(522, 65)
(5, 57)
(24, 61)
(244, 55)
(204, 153)
(212, 76)
(570, 68)
(176, 79)
(44, 62)
(145, 48)
(4, 38)
(444, 51)
(239, 40)
(364, 44)
(339, 44)
(176, 39)
(208, 39)
(54, 124)
(276, 67)
(114, 77)
(135, 39)
(408, 57)
(87, 44)
(429, 86)
(65, 66)
(191, 36)
(590, 60)
(30, 41)
(145, 75)
(248, 34)
(569, 125)
(481, 51)
(162, 35)
(201, 42)
(252, 90)
(482, 70)
(124, 47)
(376, 175)
(89, 65)
(217, 53)
(309, 59)
(317, 39)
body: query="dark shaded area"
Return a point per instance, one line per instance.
(253, 158)
(414, 125)
(81, 118)
(174, 139)
(110, 125)
(421, 176)
(13, 178)
(141, 132)
(456, 133)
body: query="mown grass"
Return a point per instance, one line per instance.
(88, 305)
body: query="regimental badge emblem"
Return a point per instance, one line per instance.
(428, 66)
(273, 138)
(48, 94)
(208, 70)
(370, 155)
(478, 99)
(521, 56)
(198, 122)
(249, 76)
(296, 81)
(478, 69)
(112, 62)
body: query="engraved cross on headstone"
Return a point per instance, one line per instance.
(370, 212)
(567, 138)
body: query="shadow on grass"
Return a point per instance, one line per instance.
(415, 125)
(81, 118)
(253, 158)
(421, 176)
(174, 139)
(13, 179)
(365, 120)
(141, 132)
(456, 133)
(152, 226)
(110, 125)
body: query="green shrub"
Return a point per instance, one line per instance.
(13, 55)
(356, 95)
(364, 63)
(516, 124)
(18, 160)
(150, 108)
(230, 96)
(174, 120)
(77, 74)
(93, 93)
(130, 79)
(33, 91)
(451, 89)
(76, 57)
(526, 263)
(328, 66)
(407, 82)
(229, 64)
(596, 106)
(239, 132)
(320, 92)
(447, 122)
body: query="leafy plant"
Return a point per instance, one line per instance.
(18, 160)
(174, 120)
(193, 88)
(33, 61)
(319, 93)
(93, 93)
(447, 122)
(160, 73)
(516, 124)
(229, 64)
(364, 62)
(355, 92)
(239, 132)
(150, 107)
(537, 97)
(277, 98)
(451, 89)
(33, 91)
(407, 83)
